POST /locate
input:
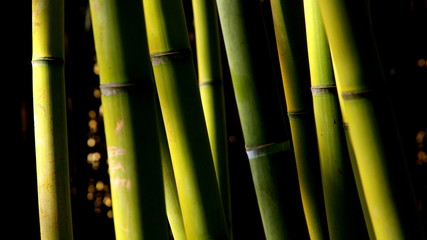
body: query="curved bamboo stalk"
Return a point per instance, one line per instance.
(265, 133)
(126, 83)
(339, 185)
(182, 110)
(173, 207)
(50, 121)
(379, 156)
(288, 19)
(212, 93)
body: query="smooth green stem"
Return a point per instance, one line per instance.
(265, 133)
(379, 156)
(50, 120)
(212, 93)
(128, 101)
(173, 208)
(185, 126)
(288, 19)
(339, 185)
(356, 174)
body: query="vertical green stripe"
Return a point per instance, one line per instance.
(50, 121)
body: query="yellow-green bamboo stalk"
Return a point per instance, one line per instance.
(50, 121)
(173, 208)
(212, 93)
(128, 100)
(341, 198)
(372, 128)
(264, 130)
(182, 110)
(356, 174)
(288, 19)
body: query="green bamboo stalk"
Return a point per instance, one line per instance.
(50, 121)
(288, 19)
(212, 93)
(265, 133)
(372, 128)
(182, 110)
(339, 183)
(173, 207)
(356, 174)
(127, 87)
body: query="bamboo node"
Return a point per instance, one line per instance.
(323, 89)
(47, 60)
(108, 89)
(298, 113)
(114, 88)
(267, 149)
(357, 94)
(211, 82)
(164, 57)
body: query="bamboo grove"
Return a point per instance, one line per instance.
(320, 134)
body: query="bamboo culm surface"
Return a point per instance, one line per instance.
(288, 19)
(265, 133)
(379, 157)
(339, 184)
(209, 66)
(173, 207)
(50, 120)
(131, 124)
(182, 111)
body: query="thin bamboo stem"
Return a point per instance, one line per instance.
(264, 130)
(288, 19)
(182, 110)
(372, 128)
(173, 207)
(339, 183)
(212, 93)
(50, 121)
(128, 101)
(356, 174)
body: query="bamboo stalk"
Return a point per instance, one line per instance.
(372, 128)
(339, 183)
(356, 174)
(182, 110)
(265, 133)
(288, 19)
(126, 83)
(173, 207)
(50, 121)
(210, 77)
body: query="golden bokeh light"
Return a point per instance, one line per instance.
(99, 186)
(91, 142)
(110, 213)
(420, 136)
(97, 93)
(93, 125)
(89, 196)
(107, 201)
(92, 114)
(91, 188)
(421, 62)
(96, 68)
